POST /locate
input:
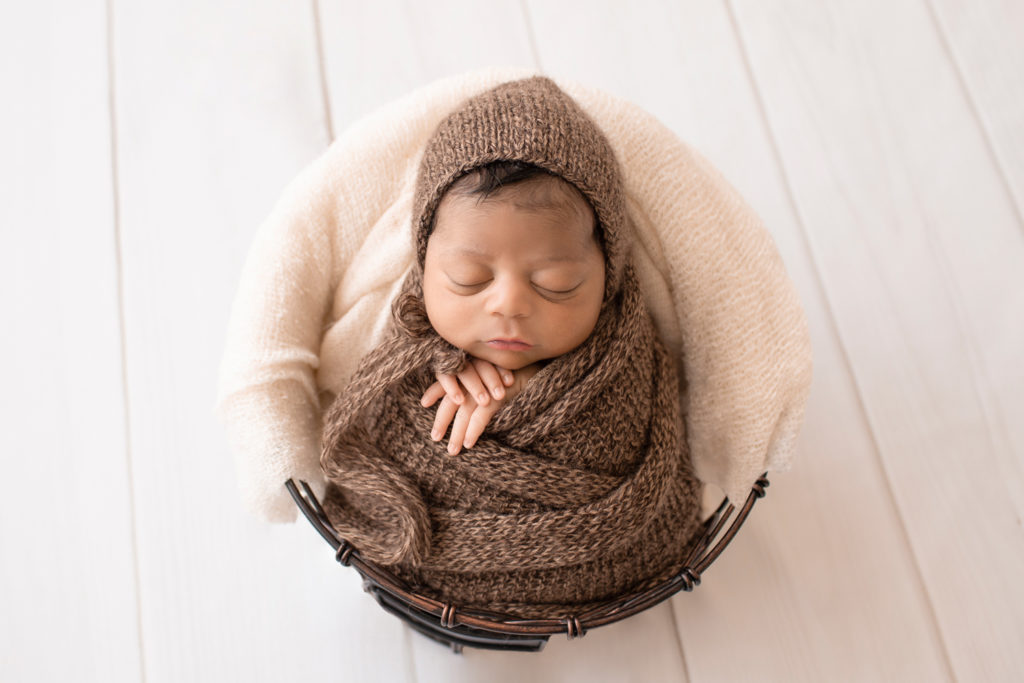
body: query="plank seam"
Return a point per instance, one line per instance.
(679, 638)
(119, 273)
(325, 93)
(972, 104)
(996, 433)
(411, 653)
(530, 35)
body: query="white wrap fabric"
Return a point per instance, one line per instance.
(316, 288)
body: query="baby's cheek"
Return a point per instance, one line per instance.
(578, 328)
(452, 319)
(437, 310)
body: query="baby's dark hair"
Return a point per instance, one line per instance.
(487, 181)
(484, 181)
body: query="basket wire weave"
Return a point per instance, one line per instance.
(457, 627)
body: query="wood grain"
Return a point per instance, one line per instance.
(66, 551)
(919, 249)
(218, 107)
(983, 39)
(376, 52)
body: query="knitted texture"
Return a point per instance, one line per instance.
(558, 501)
(580, 490)
(529, 120)
(314, 295)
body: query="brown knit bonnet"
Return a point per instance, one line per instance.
(533, 121)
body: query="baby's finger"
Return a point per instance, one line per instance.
(451, 387)
(431, 395)
(477, 424)
(489, 376)
(445, 413)
(458, 434)
(471, 380)
(506, 376)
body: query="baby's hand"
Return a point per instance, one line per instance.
(480, 378)
(469, 415)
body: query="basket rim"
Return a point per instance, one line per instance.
(482, 628)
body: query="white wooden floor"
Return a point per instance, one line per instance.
(141, 143)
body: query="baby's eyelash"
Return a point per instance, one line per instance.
(543, 291)
(557, 292)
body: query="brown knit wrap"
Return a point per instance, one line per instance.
(579, 490)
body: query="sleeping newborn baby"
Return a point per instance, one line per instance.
(513, 276)
(523, 316)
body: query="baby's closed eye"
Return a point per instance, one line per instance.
(558, 281)
(559, 287)
(468, 280)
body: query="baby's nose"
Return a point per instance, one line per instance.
(509, 298)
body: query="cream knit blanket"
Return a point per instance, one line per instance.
(316, 289)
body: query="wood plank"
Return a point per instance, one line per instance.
(919, 248)
(795, 597)
(67, 564)
(218, 107)
(984, 39)
(406, 45)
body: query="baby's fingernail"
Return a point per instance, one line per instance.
(498, 392)
(435, 435)
(453, 449)
(508, 379)
(482, 398)
(457, 398)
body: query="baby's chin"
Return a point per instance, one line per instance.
(510, 360)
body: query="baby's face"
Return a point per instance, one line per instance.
(509, 285)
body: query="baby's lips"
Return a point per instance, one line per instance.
(509, 344)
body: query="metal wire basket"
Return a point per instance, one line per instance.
(459, 627)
